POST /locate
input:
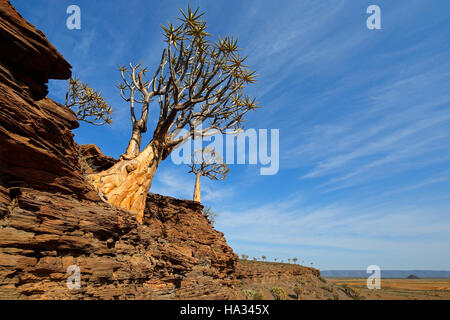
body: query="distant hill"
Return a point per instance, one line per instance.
(399, 274)
(412, 276)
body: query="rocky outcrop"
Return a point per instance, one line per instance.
(259, 272)
(26, 57)
(37, 147)
(261, 277)
(51, 217)
(176, 254)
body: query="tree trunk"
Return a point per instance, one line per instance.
(126, 184)
(134, 146)
(197, 194)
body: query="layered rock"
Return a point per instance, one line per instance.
(26, 57)
(174, 255)
(37, 147)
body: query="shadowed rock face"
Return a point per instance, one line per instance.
(51, 218)
(37, 147)
(93, 160)
(26, 55)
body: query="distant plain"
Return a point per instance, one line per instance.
(400, 289)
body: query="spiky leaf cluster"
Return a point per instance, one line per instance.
(204, 81)
(91, 107)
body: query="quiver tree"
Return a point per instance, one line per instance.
(91, 106)
(206, 163)
(199, 82)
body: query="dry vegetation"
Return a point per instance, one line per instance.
(399, 289)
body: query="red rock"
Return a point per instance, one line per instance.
(163, 255)
(93, 160)
(26, 54)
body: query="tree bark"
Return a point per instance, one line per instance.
(197, 193)
(134, 146)
(126, 184)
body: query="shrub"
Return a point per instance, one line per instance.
(253, 295)
(322, 279)
(327, 288)
(209, 214)
(298, 290)
(278, 293)
(352, 292)
(258, 296)
(249, 294)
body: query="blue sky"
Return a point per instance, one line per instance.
(364, 119)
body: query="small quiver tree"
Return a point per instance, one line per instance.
(298, 290)
(206, 163)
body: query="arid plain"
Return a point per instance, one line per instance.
(400, 289)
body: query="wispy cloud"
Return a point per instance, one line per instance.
(396, 127)
(338, 227)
